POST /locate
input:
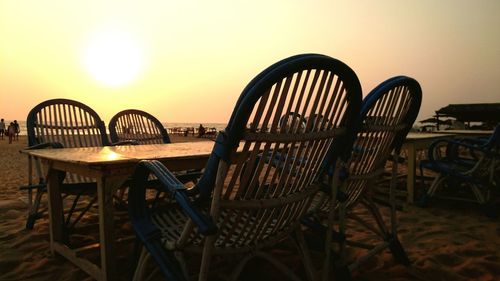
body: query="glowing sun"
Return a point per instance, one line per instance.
(113, 57)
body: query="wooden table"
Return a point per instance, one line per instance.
(413, 143)
(110, 166)
(466, 133)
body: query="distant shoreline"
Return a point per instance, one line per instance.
(167, 125)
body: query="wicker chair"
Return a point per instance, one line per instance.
(137, 125)
(60, 123)
(387, 114)
(242, 206)
(469, 170)
(140, 127)
(291, 120)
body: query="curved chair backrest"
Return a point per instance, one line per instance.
(387, 114)
(137, 125)
(69, 122)
(247, 186)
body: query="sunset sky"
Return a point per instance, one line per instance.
(187, 61)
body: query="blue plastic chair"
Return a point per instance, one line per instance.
(242, 206)
(387, 114)
(468, 169)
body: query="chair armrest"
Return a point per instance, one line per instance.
(169, 183)
(467, 143)
(453, 146)
(125, 142)
(42, 184)
(46, 145)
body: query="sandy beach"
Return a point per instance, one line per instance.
(447, 241)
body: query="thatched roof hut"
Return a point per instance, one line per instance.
(477, 112)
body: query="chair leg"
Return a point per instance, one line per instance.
(141, 265)
(182, 263)
(82, 213)
(300, 243)
(435, 184)
(477, 193)
(119, 198)
(140, 272)
(398, 252)
(341, 270)
(134, 259)
(30, 222)
(206, 257)
(391, 238)
(336, 186)
(273, 261)
(395, 246)
(380, 229)
(425, 198)
(34, 214)
(72, 209)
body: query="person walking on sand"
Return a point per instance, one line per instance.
(17, 130)
(2, 128)
(201, 131)
(11, 131)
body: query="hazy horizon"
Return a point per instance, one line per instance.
(187, 62)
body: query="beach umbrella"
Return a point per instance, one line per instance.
(436, 121)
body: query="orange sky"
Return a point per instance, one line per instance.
(197, 56)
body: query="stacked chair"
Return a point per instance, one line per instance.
(243, 206)
(468, 169)
(387, 114)
(58, 123)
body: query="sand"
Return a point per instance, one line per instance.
(446, 241)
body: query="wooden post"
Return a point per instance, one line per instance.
(437, 121)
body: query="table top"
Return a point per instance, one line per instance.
(413, 136)
(134, 153)
(124, 153)
(466, 132)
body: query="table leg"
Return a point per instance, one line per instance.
(410, 178)
(56, 216)
(106, 228)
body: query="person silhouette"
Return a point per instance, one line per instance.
(16, 129)
(201, 131)
(11, 131)
(2, 128)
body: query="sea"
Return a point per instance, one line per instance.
(167, 125)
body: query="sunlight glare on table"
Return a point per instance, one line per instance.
(110, 155)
